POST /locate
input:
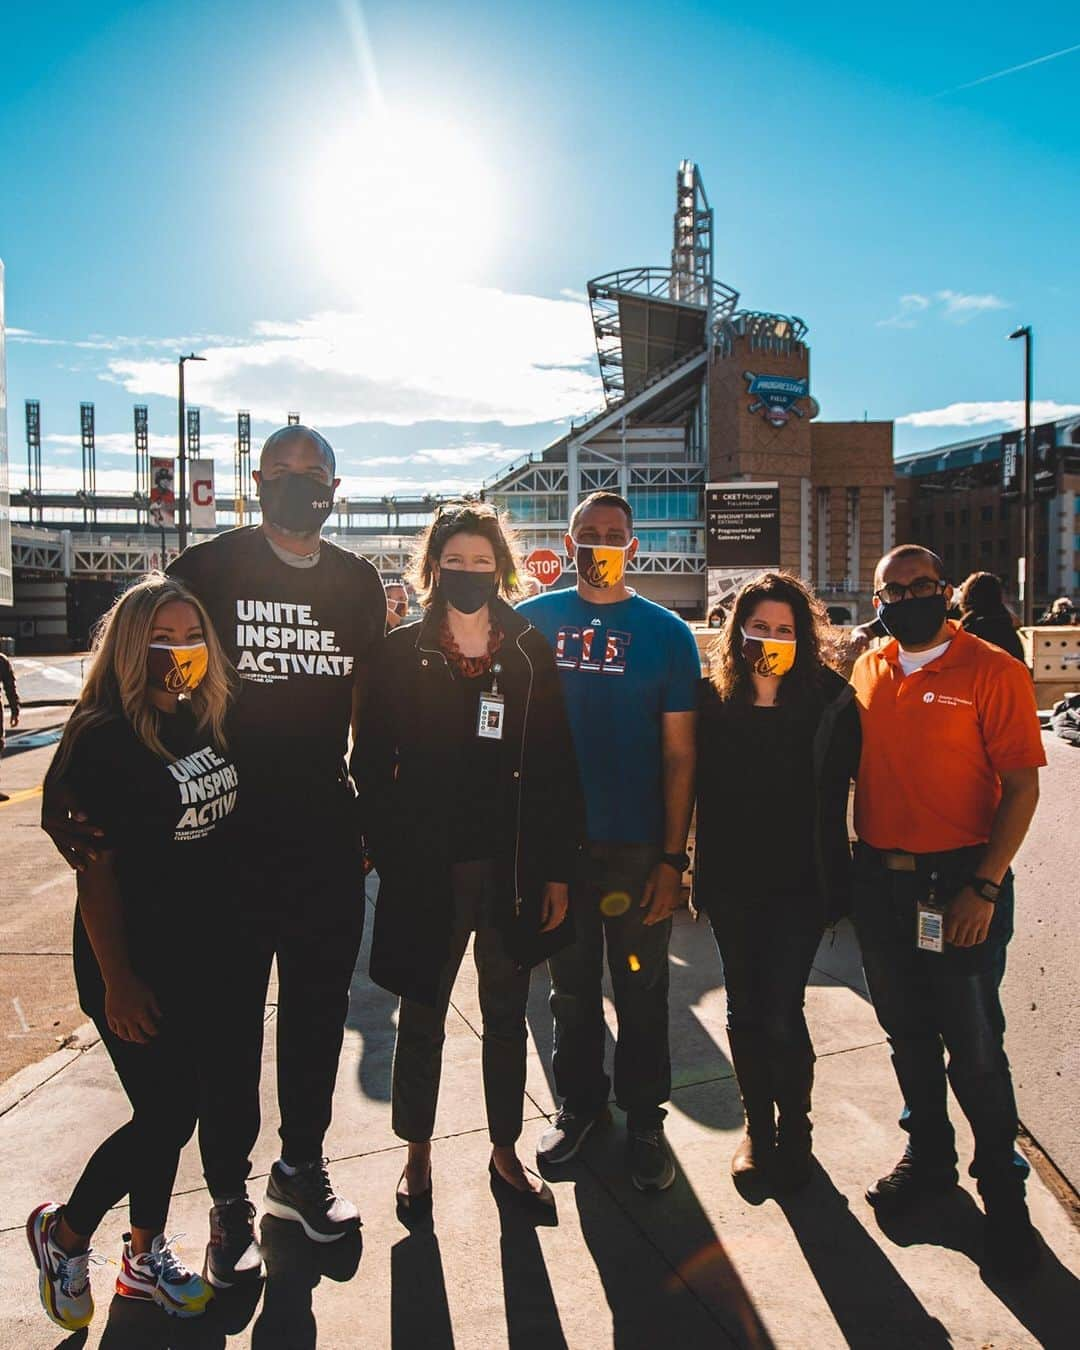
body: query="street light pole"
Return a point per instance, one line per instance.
(181, 436)
(1028, 514)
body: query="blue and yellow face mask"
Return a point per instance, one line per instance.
(769, 656)
(600, 565)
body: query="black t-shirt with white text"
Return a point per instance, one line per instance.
(166, 821)
(296, 637)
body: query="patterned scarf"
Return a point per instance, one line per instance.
(469, 666)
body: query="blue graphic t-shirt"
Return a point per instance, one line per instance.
(623, 666)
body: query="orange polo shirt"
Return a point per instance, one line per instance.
(935, 743)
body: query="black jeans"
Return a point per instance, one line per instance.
(605, 900)
(768, 947)
(139, 1159)
(930, 1002)
(504, 993)
(310, 915)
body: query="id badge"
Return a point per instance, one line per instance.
(489, 722)
(931, 929)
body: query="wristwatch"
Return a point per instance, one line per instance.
(985, 889)
(680, 861)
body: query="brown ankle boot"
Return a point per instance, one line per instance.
(752, 1158)
(749, 1055)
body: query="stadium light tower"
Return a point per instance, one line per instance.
(181, 432)
(1028, 513)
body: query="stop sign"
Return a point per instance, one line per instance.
(545, 566)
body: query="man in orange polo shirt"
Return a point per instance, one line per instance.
(947, 787)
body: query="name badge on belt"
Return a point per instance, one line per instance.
(489, 722)
(930, 922)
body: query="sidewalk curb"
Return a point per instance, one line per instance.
(20, 1085)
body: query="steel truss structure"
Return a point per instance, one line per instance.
(63, 553)
(646, 318)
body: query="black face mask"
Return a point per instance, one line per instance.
(914, 622)
(466, 591)
(295, 502)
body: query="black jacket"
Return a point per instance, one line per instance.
(7, 679)
(835, 747)
(407, 765)
(996, 627)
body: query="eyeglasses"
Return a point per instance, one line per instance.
(919, 589)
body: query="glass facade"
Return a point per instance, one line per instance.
(675, 540)
(666, 503)
(532, 508)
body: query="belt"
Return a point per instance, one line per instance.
(899, 860)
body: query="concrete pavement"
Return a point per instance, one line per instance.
(698, 1266)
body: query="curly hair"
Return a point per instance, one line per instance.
(465, 518)
(731, 674)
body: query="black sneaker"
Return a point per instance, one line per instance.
(233, 1255)
(567, 1134)
(907, 1184)
(1011, 1247)
(307, 1198)
(651, 1167)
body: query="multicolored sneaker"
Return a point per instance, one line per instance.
(159, 1276)
(63, 1280)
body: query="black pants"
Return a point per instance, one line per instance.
(930, 1002)
(767, 948)
(139, 1159)
(309, 913)
(504, 993)
(605, 898)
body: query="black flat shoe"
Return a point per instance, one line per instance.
(413, 1208)
(537, 1202)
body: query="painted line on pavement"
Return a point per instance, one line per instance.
(23, 795)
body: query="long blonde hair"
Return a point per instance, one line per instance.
(116, 683)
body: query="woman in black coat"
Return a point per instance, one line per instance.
(472, 808)
(778, 746)
(983, 613)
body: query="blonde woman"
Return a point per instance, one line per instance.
(144, 755)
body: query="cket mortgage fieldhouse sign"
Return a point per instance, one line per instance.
(742, 525)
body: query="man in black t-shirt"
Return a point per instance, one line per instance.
(300, 619)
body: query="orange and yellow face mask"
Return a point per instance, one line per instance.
(177, 670)
(600, 565)
(768, 656)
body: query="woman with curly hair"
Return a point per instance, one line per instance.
(778, 745)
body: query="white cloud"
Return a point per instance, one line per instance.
(220, 444)
(960, 307)
(1007, 411)
(956, 306)
(462, 353)
(909, 305)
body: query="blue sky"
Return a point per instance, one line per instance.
(385, 215)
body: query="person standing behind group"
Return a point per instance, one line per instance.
(948, 783)
(147, 731)
(7, 680)
(470, 791)
(630, 671)
(983, 613)
(778, 745)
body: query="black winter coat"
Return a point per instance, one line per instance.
(407, 766)
(996, 627)
(836, 745)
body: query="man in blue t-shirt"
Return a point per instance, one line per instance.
(630, 672)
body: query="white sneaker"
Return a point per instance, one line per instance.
(159, 1276)
(63, 1280)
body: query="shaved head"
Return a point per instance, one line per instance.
(277, 440)
(904, 551)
